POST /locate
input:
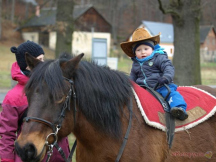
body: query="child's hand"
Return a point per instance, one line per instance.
(162, 81)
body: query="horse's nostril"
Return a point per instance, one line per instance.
(27, 153)
(30, 151)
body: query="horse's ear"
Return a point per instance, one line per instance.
(71, 65)
(31, 61)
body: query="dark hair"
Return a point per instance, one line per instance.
(145, 42)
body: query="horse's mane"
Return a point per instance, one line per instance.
(101, 92)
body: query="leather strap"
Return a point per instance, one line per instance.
(127, 133)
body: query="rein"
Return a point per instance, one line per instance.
(57, 127)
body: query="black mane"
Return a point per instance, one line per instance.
(101, 92)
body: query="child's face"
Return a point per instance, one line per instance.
(143, 51)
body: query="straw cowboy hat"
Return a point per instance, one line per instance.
(139, 34)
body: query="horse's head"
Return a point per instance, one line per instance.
(50, 96)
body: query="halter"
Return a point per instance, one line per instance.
(57, 127)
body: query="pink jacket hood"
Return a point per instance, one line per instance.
(17, 74)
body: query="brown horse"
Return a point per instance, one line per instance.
(99, 116)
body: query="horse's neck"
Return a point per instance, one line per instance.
(84, 131)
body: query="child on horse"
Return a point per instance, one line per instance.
(151, 66)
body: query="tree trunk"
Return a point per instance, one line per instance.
(114, 26)
(64, 26)
(26, 10)
(12, 11)
(186, 22)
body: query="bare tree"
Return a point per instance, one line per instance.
(114, 22)
(208, 12)
(64, 26)
(12, 11)
(186, 21)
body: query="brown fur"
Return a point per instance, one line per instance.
(142, 145)
(146, 143)
(207, 88)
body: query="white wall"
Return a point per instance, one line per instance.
(82, 41)
(169, 48)
(52, 40)
(32, 36)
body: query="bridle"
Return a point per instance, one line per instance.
(57, 127)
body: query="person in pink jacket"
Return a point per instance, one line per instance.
(15, 104)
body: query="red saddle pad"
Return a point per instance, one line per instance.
(200, 106)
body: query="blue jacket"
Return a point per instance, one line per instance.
(147, 71)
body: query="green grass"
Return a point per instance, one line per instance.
(5, 81)
(71, 139)
(208, 73)
(125, 64)
(208, 65)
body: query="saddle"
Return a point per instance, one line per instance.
(200, 106)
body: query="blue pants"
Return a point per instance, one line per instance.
(175, 99)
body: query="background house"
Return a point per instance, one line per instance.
(89, 25)
(207, 38)
(208, 43)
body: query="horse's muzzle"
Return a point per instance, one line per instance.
(28, 153)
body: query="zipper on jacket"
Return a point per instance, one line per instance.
(144, 80)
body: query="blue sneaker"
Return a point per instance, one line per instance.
(179, 113)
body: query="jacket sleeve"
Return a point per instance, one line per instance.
(8, 128)
(166, 67)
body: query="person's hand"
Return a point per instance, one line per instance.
(162, 81)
